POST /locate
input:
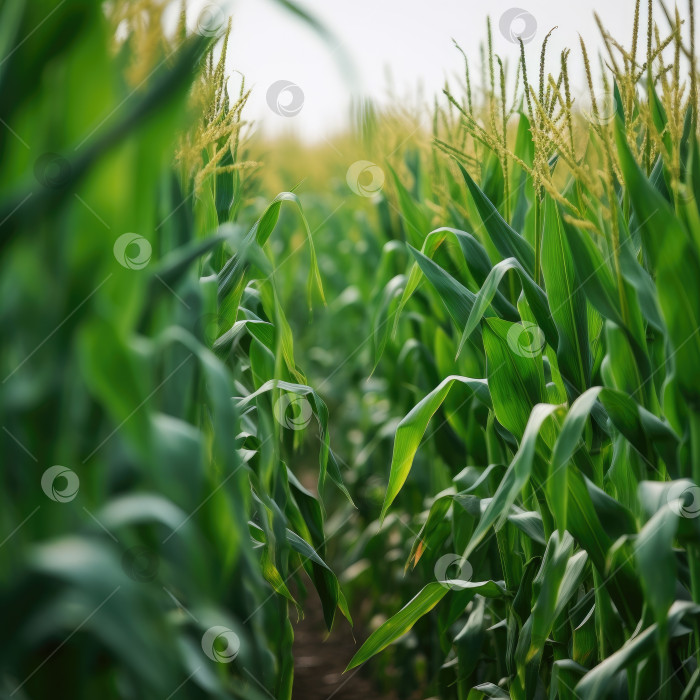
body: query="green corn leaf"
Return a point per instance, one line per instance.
(232, 275)
(508, 242)
(476, 260)
(262, 331)
(528, 522)
(416, 608)
(469, 640)
(566, 300)
(564, 448)
(640, 279)
(657, 562)
(565, 675)
(616, 520)
(515, 378)
(516, 477)
(386, 313)
(487, 690)
(536, 298)
(416, 221)
(272, 575)
(320, 410)
(412, 428)
(400, 623)
(557, 580)
(432, 533)
(677, 267)
(299, 544)
(585, 525)
(594, 273)
(324, 579)
(116, 374)
(597, 682)
(458, 300)
(172, 267)
(648, 434)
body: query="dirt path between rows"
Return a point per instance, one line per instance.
(319, 662)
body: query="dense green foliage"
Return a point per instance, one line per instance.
(554, 329)
(152, 523)
(508, 363)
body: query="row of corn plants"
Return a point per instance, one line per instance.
(155, 537)
(539, 315)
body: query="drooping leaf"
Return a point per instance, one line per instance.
(411, 429)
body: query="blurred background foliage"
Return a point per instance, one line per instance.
(152, 524)
(181, 340)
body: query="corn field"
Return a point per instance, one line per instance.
(429, 393)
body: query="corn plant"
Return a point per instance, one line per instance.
(551, 308)
(152, 520)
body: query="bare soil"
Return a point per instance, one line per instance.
(319, 660)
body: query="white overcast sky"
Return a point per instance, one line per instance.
(411, 40)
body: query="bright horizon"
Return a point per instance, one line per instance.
(403, 44)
